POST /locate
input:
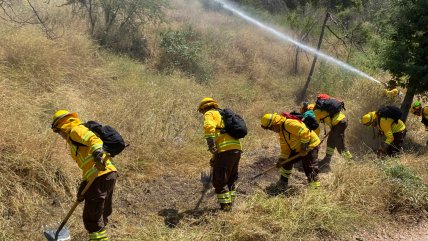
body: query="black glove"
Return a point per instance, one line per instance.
(211, 145)
(99, 158)
(305, 147)
(82, 186)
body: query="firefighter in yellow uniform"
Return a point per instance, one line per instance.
(226, 153)
(295, 139)
(391, 90)
(394, 132)
(87, 151)
(336, 137)
(418, 110)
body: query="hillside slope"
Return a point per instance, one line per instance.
(156, 112)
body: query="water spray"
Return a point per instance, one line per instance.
(286, 38)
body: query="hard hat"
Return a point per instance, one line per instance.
(368, 118)
(207, 102)
(270, 119)
(415, 107)
(60, 114)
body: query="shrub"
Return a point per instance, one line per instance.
(408, 192)
(182, 49)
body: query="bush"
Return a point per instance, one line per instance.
(182, 49)
(408, 192)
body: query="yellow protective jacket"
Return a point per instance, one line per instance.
(293, 134)
(324, 117)
(82, 153)
(425, 117)
(391, 93)
(213, 123)
(387, 127)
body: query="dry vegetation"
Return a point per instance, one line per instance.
(156, 113)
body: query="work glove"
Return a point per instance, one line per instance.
(211, 145)
(305, 147)
(99, 158)
(79, 196)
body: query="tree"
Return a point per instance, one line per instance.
(406, 53)
(119, 24)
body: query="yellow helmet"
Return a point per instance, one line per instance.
(270, 119)
(207, 102)
(416, 107)
(368, 118)
(59, 115)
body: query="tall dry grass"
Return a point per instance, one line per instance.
(157, 115)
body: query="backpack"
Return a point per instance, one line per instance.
(308, 118)
(389, 111)
(293, 115)
(113, 142)
(234, 125)
(329, 104)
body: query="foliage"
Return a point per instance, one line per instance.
(182, 49)
(118, 25)
(408, 192)
(406, 55)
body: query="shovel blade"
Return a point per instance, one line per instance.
(63, 235)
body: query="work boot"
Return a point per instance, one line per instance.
(282, 184)
(324, 164)
(227, 207)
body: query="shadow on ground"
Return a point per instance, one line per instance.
(172, 217)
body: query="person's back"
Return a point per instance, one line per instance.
(86, 149)
(226, 153)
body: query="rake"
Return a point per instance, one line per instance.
(63, 232)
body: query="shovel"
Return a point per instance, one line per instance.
(206, 180)
(63, 233)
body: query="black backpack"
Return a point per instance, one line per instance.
(234, 125)
(330, 105)
(113, 142)
(389, 111)
(309, 120)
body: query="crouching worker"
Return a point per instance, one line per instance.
(226, 153)
(295, 139)
(393, 129)
(86, 150)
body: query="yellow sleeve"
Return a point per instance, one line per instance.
(385, 126)
(210, 124)
(86, 137)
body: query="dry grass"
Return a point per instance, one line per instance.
(156, 115)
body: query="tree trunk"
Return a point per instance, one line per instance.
(407, 102)
(311, 71)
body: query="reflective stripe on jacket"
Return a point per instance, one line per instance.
(387, 127)
(293, 134)
(82, 154)
(212, 125)
(324, 116)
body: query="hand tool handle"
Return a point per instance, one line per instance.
(274, 166)
(75, 204)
